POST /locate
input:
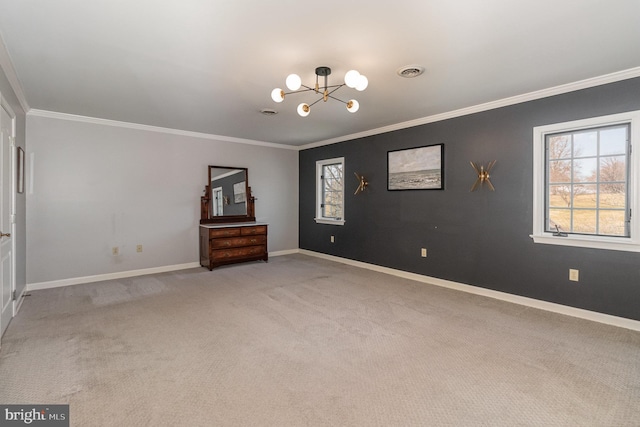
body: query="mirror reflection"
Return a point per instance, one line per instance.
(228, 191)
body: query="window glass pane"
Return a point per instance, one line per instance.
(584, 170)
(612, 223)
(561, 218)
(559, 171)
(559, 196)
(585, 196)
(584, 221)
(611, 200)
(613, 141)
(585, 144)
(559, 146)
(613, 168)
(332, 211)
(332, 191)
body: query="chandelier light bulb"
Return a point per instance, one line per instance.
(304, 110)
(293, 82)
(351, 78)
(277, 95)
(352, 106)
(363, 82)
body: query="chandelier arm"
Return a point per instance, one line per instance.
(333, 97)
(337, 99)
(315, 102)
(336, 88)
(299, 91)
(307, 89)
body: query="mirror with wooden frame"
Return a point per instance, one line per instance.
(227, 196)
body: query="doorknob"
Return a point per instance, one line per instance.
(5, 234)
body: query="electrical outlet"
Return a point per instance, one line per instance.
(423, 252)
(139, 248)
(333, 239)
(115, 251)
(574, 275)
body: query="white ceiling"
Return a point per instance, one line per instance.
(209, 66)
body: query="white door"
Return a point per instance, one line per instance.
(6, 196)
(217, 201)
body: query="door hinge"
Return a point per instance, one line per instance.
(14, 295)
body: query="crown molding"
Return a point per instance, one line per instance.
(128, 125)
(518, 99)
(7, 67)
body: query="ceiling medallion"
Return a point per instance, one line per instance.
(352, 79)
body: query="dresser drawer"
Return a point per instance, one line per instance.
(233, 242)
(246, 251)
(224, 232)
(258, 229)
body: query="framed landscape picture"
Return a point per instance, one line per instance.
(419, 168)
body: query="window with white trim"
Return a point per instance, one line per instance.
(585, 177)
(330, 191)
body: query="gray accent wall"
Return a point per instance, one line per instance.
(478, 238)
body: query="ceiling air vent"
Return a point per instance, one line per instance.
(410, 71)
(268, 112)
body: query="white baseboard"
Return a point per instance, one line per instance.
(287, 252)
(20, 301)
(125, 274)
(594, 316)
(109, 276)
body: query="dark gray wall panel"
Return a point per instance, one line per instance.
(480, 238)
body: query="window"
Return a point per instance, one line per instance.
(330, 191)
(585, 176)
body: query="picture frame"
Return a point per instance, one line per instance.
(20, 171)
(417, 168)
(240, 192)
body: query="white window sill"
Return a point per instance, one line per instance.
(329, 221)
(609, 243)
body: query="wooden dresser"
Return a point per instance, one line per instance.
(222, 244)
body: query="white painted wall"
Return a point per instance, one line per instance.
(95, 186)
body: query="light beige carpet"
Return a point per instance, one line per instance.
(303, 341)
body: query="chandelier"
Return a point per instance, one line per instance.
(352, 79)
